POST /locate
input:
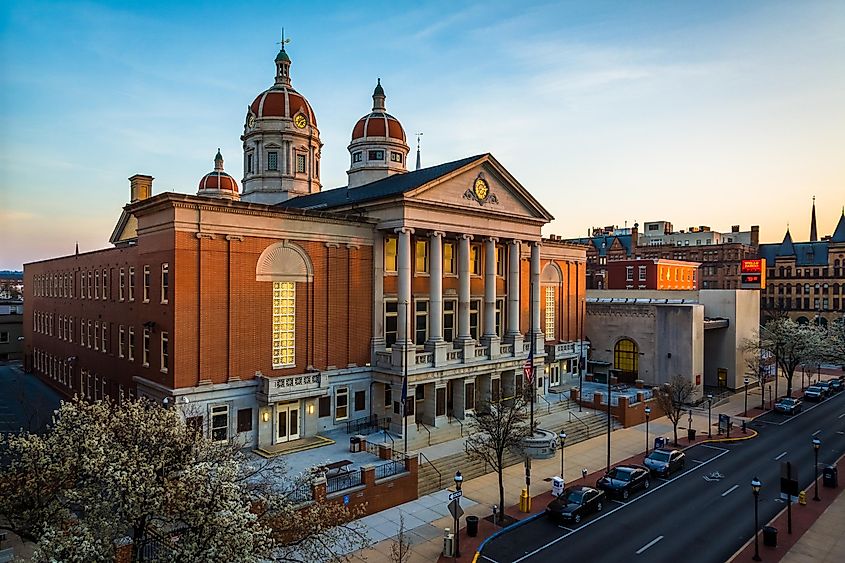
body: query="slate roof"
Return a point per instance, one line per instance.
(839, 233)
(603, 243)
(806, 253)
(384, 188)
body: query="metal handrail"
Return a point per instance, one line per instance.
(548, 408)
(587, 426)
(439, 475)
(426, 429)
(451, 416)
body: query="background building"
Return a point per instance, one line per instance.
(653, 273)
(806, 280)
(11, 329)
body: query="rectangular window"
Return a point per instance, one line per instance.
(475, 259)
(391, 322)
(550, 312)
(165, 352)
(132, 283)
(244, 420)
(4, 337)
(96, 284)
(324, 407)
(360, 400)
(449, 319)
(220, 423)
(420, 322)
(474, 318)
(341, 403)
(88, 334)
(421, 256)
(284, 324)
(629, 273)
(104, 336)
(272, 160)
(121, 341)
(165, 282)
(249, 164)
(642, 271)
(501, 257)
(388, 395)
(449, 258)
(131, 343)
(440, 401)
(500, 315)
(145, 348)
(395, 156)
(469, 396)
(357, 157)
(300, 164)
(146, 284)
(122, 288)
(390, 254)
(375, 155)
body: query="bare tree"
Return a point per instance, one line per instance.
(672, 397)
(790, 343)
(400, 549)
(496, 428)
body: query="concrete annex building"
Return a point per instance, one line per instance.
(277, 312)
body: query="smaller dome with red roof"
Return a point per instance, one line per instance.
(379, 123)
(217, 183)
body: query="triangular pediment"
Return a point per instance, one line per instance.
(126, 229)
(483, 185)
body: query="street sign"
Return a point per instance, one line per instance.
(788, 481)
(456, 494)
(455, 509)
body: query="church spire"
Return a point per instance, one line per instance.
(418, 150)
(814, 236)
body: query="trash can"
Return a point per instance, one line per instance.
(830, 476)
(659, 442)
(770, 536)
(472, 526)
(354, 444)
(691, 434)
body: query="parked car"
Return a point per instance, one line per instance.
(788, 405)
(825, 387)
(576, 503)
(836, 385)
(813, 393)
(623, 480)
(664, 462)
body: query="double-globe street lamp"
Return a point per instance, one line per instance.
(459, 479)
(746, 381)
(562, 437)
(647, 414)
(756, 485)
(816, 445)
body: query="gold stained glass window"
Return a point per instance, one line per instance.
(421, 256)
(284, 324)
(390, 254)
(550, 312)
(449, 258)
(626, 357)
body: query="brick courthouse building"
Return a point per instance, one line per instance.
(279, 311)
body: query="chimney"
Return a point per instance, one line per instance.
(140, 187)
(755, 235)
(735, 228)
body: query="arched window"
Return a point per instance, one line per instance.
(550, 280)
(626, 357)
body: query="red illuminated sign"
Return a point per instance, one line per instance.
(752, 267)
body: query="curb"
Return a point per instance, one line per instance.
(503, 530)
(751, 434)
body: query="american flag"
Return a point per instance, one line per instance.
(528, 367)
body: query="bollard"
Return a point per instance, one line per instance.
(802, 498)
(524, 501)
(584, 473)
(743, 427)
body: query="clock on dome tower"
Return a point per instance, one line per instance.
(281, 142)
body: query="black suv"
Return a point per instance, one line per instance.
(623, 480)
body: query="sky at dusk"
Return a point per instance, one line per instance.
(699, 113)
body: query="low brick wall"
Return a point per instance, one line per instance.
(626, 413)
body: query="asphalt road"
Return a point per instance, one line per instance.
(25, 402)
(705, 513)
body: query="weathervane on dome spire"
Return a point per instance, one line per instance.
(283, 62)
(283, 41)
(418, 150)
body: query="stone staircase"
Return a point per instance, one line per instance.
(437, 474)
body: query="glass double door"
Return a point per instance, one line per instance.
(287, 421)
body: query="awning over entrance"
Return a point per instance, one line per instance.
(290, 387)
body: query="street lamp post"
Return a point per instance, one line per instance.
(709, 412)
(459, 479)
(562, 437)
(647, 414)
(755, 488)
(816, 445)
(746, 380)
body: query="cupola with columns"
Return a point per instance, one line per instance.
(281, 141)
(379, 148)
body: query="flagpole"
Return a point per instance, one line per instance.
(405, 381)
(531, 353)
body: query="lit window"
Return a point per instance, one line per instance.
(475, 259)
(165, 353)
(165, 282)
(145, 349)
(421, 256)
(550, 313)
(448, 258)
(146, 284)
(284, 324)
(391, 322)
(300, 163)
(272, 160)
(341, 403)
(626, 356)
(220, 423)
(390, 254)
(395, 156)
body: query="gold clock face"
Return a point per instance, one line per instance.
(250, 121)
(481, 189)
(300, 121)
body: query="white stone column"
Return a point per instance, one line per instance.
(490, 287)
(535, 281)
(463, 288)
(403, 251)
(377, 340)
(513, 289)
(435, 287)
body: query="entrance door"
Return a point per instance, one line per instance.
(554, 375)
(287, 427)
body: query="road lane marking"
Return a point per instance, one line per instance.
(489, 559)
(841, 415)
(780, 456)
(617, 501)
(649, 544)
(729, 491)
(592, 521)
(696, 461)
(816, 432)
(565, 528)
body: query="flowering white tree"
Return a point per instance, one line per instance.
(791, 343)
(107, 471)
